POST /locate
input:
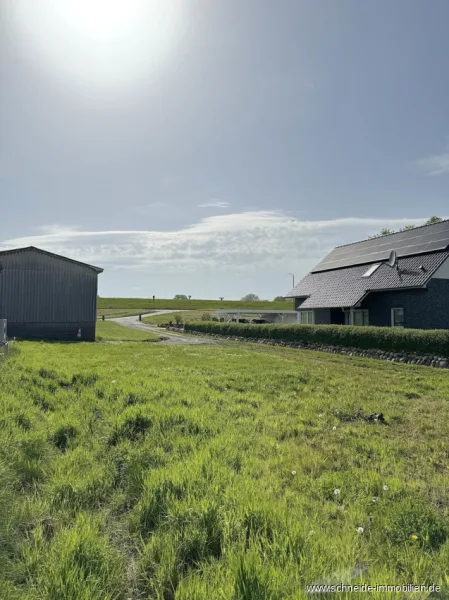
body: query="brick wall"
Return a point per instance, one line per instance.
(426, 308)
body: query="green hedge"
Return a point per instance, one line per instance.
(434, 341)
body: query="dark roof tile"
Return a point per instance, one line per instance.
(346, 287)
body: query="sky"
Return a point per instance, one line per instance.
(212, 148)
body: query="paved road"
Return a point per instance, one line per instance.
(172, 338)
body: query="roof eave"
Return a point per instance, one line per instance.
(98, 270)
(395, 289)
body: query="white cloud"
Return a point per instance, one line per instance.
(253, 241)
(437, 164)
(214, 204)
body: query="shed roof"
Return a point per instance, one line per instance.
(40, 251)
(346, 287)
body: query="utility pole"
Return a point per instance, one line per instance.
(293, 277)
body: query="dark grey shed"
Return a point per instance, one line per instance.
(47, 296)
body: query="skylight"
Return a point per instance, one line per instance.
(371, 270)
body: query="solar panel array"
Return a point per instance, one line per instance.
(406, 243)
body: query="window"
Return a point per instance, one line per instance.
(371, 270)
(361, 317)
(306, 317)
(397, 317)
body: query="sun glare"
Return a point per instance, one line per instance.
(96, 41)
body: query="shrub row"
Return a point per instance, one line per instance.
(435, 341)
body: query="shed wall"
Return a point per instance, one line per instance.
(39, 290)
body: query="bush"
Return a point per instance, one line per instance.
(178, 318)
(426, 341)
(206, 317)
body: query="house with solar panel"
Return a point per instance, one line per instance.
(396, 280)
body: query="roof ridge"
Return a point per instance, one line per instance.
(48, 253)
(393, 233)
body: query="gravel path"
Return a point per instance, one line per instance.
(172, 338)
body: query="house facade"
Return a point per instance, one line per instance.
(397, 280)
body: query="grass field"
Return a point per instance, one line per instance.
(119, 312)
(229, 472)
(144, 305)
(109, 331)
(188, 315)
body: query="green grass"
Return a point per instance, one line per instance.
(109, 331)
(192, 316)
(110, 313)
(143, 304)
(194, 473)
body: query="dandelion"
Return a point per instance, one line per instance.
(385, 488)
(374, 499)
(337, 492)
(360, 529)
(334, 428)
(414, 537)
(293, 472)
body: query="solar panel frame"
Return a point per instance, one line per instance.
(406, 243)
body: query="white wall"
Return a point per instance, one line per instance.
(443, 271)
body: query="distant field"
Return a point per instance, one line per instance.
(107, 331)
(119, 312)
(142, 304)
(188, 315)
(233, 472)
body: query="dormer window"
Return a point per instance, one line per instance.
(371, 270)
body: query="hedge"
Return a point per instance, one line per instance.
(427, 341)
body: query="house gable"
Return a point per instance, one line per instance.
(443, 271)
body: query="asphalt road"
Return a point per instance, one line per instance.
(171, 338)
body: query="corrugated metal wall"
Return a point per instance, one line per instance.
(35, 288)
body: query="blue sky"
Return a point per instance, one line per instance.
(210, 149)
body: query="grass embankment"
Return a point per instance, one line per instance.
(194, 473)
(111, 313)
(145, 305)
(109, 331)
(188, 316)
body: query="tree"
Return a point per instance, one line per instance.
(280, 298)
(250, 298)
(387, 231)
(221, 298)
(384, 231)
(180, 297)
(190, 297)
(433, 220)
